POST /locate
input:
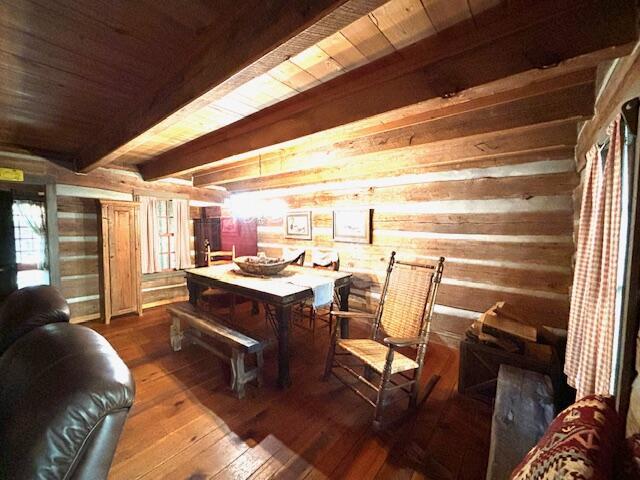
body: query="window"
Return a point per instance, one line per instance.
(30, 238)
(28, 230)
(167, 232)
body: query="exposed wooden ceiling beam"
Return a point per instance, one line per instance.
(259, 35)
(513, 39)
(120, 181)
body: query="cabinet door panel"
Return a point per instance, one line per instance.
(123, 294)
(241, 234)
(206, 229)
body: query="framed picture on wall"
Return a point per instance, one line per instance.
(352, 226)
(298, 225)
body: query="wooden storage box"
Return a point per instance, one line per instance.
(480, 364)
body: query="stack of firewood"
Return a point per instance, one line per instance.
(503, 327)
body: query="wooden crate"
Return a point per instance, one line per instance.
(480, 364)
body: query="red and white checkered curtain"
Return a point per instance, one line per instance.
(592, 316)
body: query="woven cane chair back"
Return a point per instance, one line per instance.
(405, 308)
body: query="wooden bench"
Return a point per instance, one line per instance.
(192, 324)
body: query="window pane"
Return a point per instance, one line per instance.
(29, 241)
(164, 244)
(169, 208)
(174, 263)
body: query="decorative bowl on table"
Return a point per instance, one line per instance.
(261, 265)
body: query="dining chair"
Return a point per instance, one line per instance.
(219, 256)
(305, 315)
(296, 255)
(213, 298)
(402, 321)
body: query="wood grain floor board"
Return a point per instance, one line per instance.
(372, 453)
(186, 422)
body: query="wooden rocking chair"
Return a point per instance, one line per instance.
(402, 320)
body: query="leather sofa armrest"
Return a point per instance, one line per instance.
(65, 396)
(30, 308)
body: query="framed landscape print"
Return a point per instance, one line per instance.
(352, 225)
(298, 225)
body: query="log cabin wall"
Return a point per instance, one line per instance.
(497, 204)
(484, 178)
(78, 236)
(499, 245)
(79, 263)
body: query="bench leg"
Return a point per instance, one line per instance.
(259, 366)
(237, 373)
(176, 335)
(234, 373)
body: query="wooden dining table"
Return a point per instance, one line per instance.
(275, 293)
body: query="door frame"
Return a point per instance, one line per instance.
(626, 368)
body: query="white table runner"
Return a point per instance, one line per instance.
(322, 287)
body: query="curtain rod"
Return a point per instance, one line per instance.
(629, 111)
(630, 114)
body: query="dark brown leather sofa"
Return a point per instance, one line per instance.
(64, 391)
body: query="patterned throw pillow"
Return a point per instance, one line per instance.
(579, 444)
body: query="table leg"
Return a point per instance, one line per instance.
(283, 315)
(194, 293)
(343, 293)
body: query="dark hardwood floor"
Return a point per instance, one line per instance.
(186, 423)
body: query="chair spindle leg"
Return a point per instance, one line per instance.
(332, 350)
(382, 392)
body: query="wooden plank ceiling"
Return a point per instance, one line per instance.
(80, 79)
(133, 85)
(69, 67)
(441, 70)
(74, 73)
(387, 29)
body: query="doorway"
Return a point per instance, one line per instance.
(24, 256)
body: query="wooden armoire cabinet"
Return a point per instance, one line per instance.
(206, 230)
(239, 233)
(120, 265)
(224, 233)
